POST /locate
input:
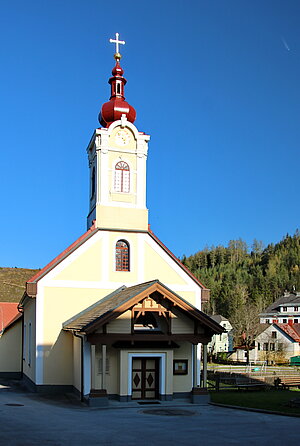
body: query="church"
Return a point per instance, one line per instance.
(116, 315)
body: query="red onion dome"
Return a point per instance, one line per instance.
(117, 70)
(116, 106)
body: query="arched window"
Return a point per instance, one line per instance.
(122, 177)
(122, 256)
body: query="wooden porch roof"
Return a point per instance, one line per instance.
(124, 298)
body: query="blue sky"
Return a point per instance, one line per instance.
(216, 85)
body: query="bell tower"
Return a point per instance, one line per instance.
(117, 156)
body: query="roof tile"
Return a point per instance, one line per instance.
(8, 312)
(292, 330)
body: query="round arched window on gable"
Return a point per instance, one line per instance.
(122, 256)
(122, 177)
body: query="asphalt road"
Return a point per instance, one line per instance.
(29, 419)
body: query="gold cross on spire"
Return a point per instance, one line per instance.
(117, 42)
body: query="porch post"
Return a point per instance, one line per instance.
(204, 370)
(86, 367)
(195, 365)
(199, 395)
(103, 366)
(199, 353)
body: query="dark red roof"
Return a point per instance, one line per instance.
(8, 312)
(292, 330)
(116, 106)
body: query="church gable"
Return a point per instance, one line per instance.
(99, 259)
(157, 262)
(83, 265)
(51, 268)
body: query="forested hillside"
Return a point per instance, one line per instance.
(246, 280)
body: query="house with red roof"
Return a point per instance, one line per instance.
(116, 314)
(10, 340)
(8, 311)
(277, 342)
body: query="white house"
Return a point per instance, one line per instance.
(284, 310)
(221, 342)
(277, 342)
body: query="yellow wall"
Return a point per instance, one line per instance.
(189, 296)
(183, 383)
(30, 316)
(11, 348)
(112, 375)
(87, 267)
(121, 217)
(61, 303)
(61, 352)
(58, 344)
(157, 267)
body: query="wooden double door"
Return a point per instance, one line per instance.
(145, 378)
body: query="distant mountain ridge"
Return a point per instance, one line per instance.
(12, 283)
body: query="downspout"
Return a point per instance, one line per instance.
(82, 366)
(21, 310)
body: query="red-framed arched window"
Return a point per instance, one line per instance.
(122, 177)
(122, 256)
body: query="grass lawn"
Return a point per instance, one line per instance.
(275, 400)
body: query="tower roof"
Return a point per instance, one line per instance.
(116, 106)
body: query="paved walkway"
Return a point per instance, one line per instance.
(29, 419)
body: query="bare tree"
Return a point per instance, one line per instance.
(244, 319)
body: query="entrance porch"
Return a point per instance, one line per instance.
(153, 374)
(142, 342)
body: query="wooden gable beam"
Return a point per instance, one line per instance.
(154, 289)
